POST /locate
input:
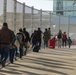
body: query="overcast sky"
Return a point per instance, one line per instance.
(39, 4)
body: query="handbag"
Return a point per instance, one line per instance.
(16, 43)
(28, 45)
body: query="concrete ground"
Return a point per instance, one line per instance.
(59, 61)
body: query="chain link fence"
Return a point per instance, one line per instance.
(19, 15)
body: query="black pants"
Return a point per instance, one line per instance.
(39, 41)
(4, 54)
(64, 43)
(21, 51)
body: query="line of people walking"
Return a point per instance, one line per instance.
(10, 43)
(13, 45)
(38, 35)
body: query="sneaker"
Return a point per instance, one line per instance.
(15, 58)
(3, 63)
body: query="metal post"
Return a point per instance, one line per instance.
(59, 21)
(41, 18)
(50, 22)
(5, 8)
(50, 19)
(23, 14)
(68, 25)
(32, 17)
(15, 3)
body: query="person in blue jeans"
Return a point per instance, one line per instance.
(21, 37)
(6, 37)
(46, 38)
(13, 50)
(12, 54)
(4, 53)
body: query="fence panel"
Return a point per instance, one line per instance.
(64, 23)
(45, 20)
(1, 12)
(19, 16)
(36, 19)
(72, 25)
(55, 23)
(28, 20)
(10, 14)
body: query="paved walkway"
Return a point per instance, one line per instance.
(46, 62)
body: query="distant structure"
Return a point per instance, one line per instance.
(64, 7)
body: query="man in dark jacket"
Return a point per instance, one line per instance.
(34, 38)
(27, 39)
(6, 38)
(39, 32)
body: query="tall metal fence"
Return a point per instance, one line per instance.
(19, 15)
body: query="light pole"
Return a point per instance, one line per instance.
(68, 25)
(50, 22)
(59, 21)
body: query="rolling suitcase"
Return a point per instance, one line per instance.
(36, 48)
(51, 43)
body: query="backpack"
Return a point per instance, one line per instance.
(17, 43)
(59, 36)
(21, 37)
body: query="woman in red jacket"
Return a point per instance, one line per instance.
(64, 39)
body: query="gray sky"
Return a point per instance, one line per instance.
(39, 4)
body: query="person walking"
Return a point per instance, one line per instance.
(59, 37)
(6, 38)
(21, 37)
(13, 50)
(64, 39)
(46, 38)
(69, 42)
(27, 39)
(34, 38)
(49, 31)
(39, 33)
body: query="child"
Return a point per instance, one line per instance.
(69, 42)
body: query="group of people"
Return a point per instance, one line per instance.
(46, 37)
(38, 35)
(63, 40)
(16, 44)
(60, 38)
(9, 47)
(11, 43)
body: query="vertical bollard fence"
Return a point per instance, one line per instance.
(23, 17)
(23, 14)
(32, 18)
(68, 25)
(59, 20)
(5, 7)
(15, 5)
(41, 18)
